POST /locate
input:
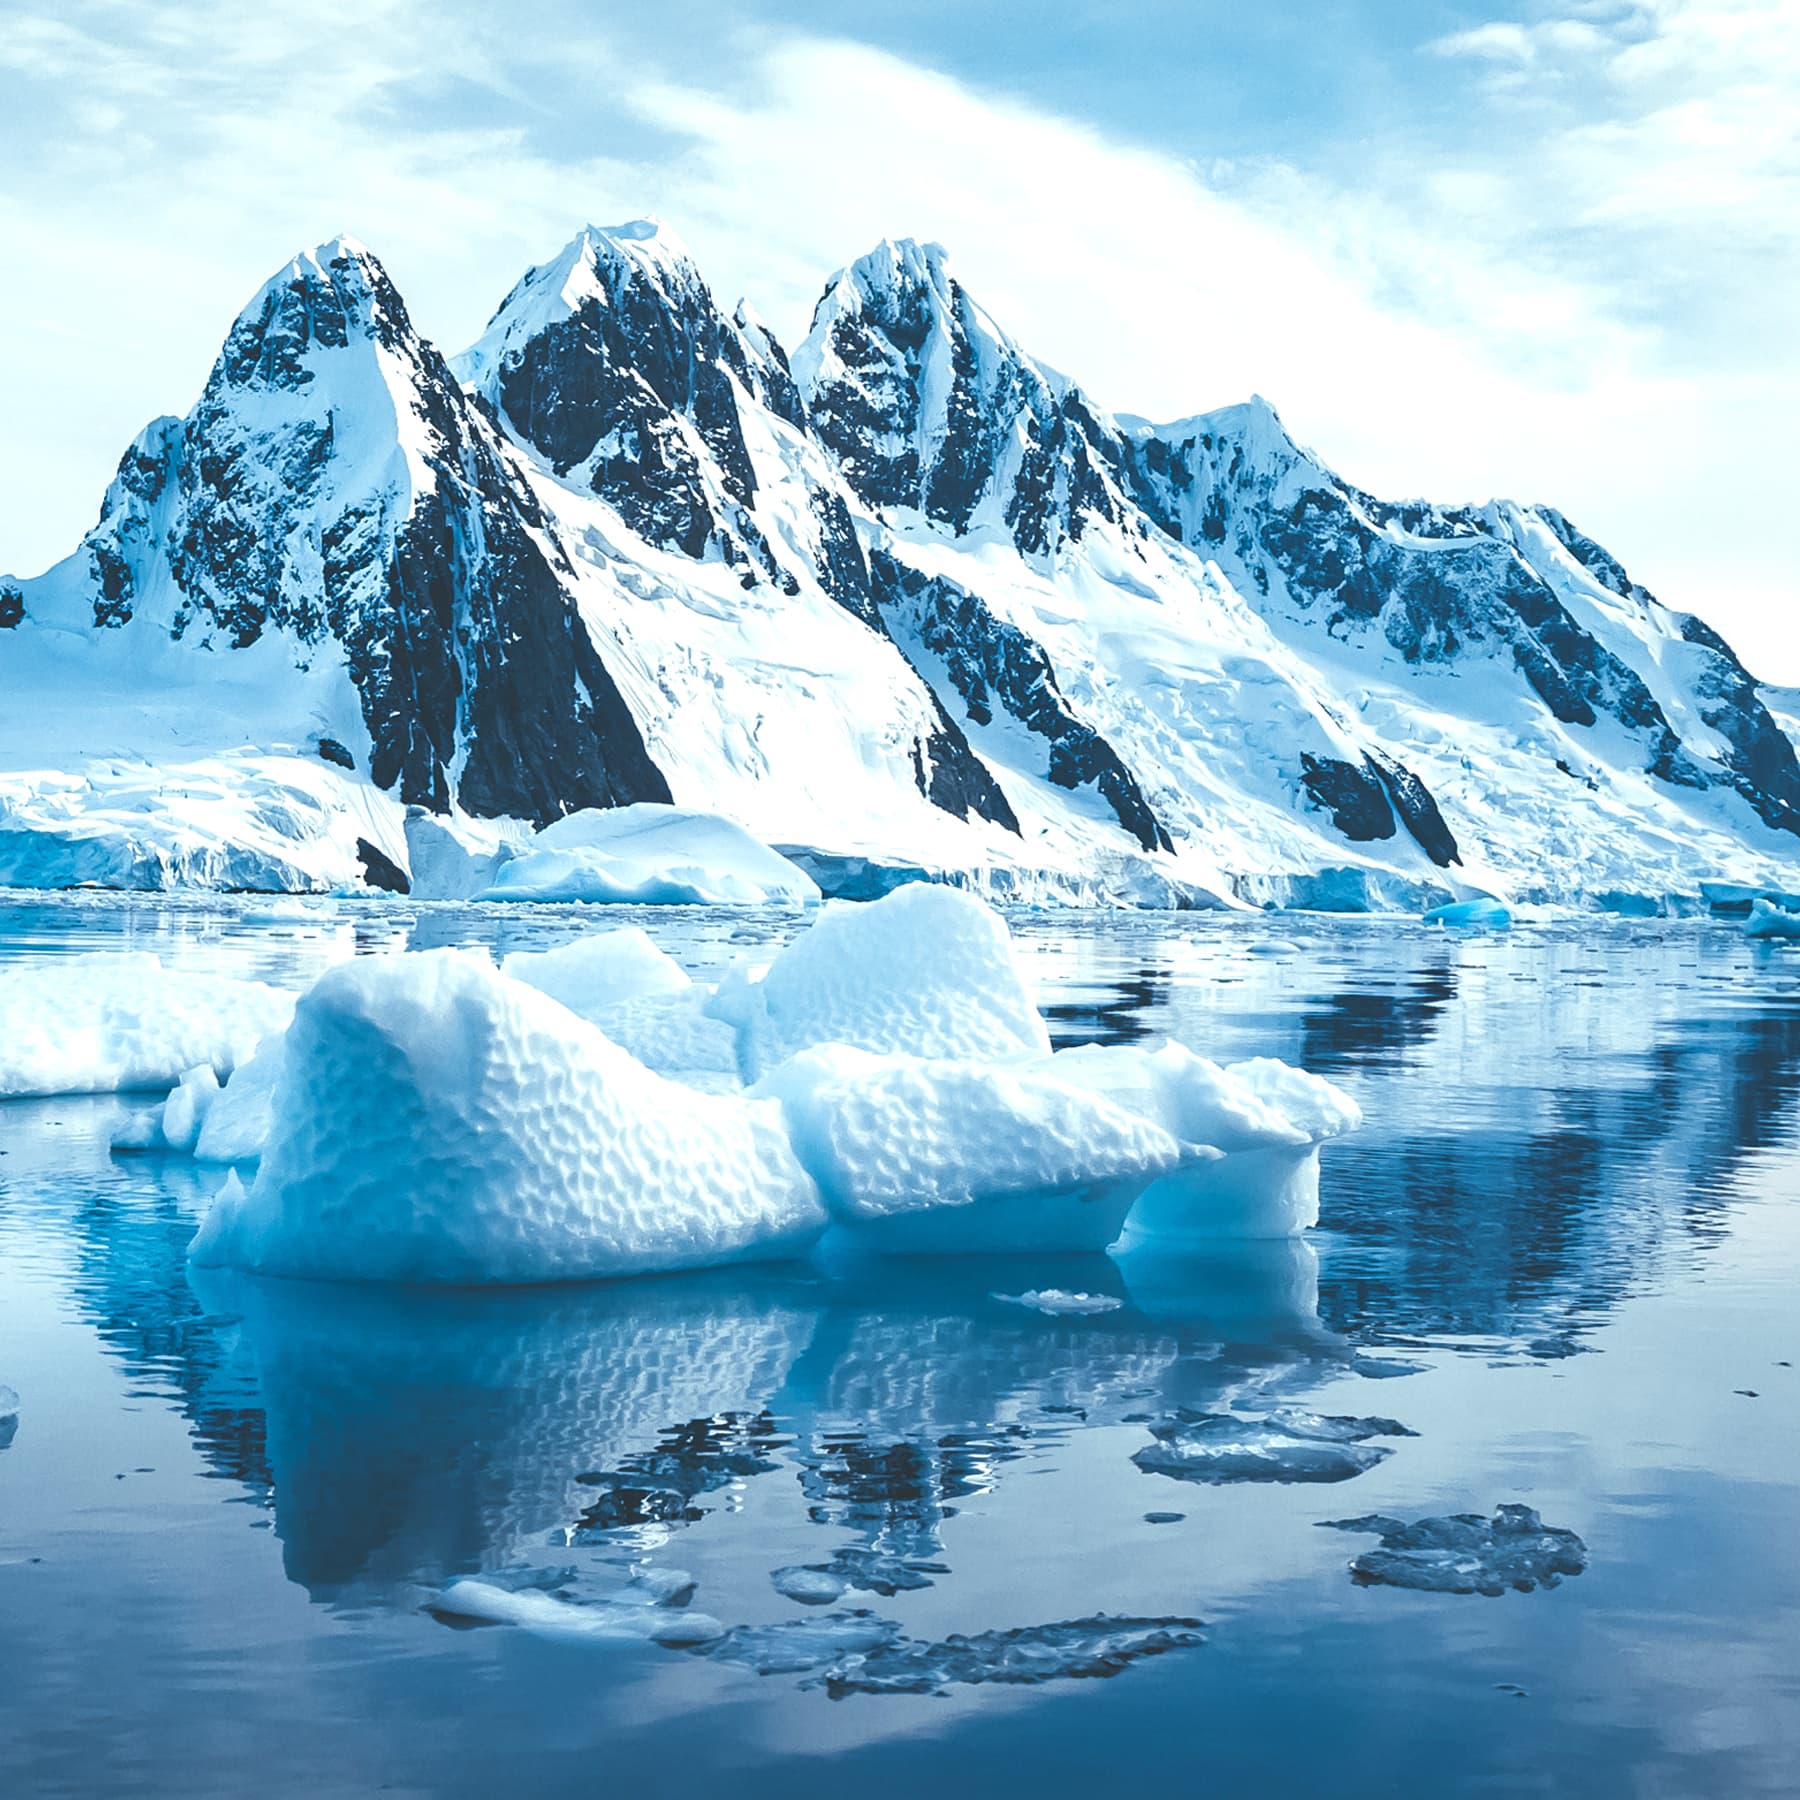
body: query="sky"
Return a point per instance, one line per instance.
(1549, 251)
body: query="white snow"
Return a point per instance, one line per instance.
(117, 1021)
(435, 1121)
(650, 855)
(925, 971)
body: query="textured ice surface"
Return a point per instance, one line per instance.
(808, 1585)
(675, 1035)
(1465, 1553)
(1483, 913)
(623, 1618)
(1767, 921)
(437, 1122)
(118, 1021)
(649, 855)
(856, 1653)
(1286, 1445)
(926, 971)
(1059, 1302)
(933, 1157)
(602, 970)
(1249, 1136)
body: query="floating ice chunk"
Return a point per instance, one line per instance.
(437, 1122)
(796, 1646)
(1387, 1368)
(621, 1620)
(119, 1021)
(1074, 1649)
(927, 1158)
(454, 857)
(1482, 913)
(1465, 1553)
(1250, 1135)
(925, 971)
(139, 1130)
(1288, 1445)
(599, 971)
(1769, 921)
(649, 855)
(810, 1586)
(9, 1415)
(1059, 1302)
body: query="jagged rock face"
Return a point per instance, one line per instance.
(1442, 586)
(615, 365)
(334, 485)
(994, 666)
(929, 406)
(1365, 801)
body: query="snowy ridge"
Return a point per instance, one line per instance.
(909, 604)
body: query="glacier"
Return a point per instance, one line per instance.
(905, 605)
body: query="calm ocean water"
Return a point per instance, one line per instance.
(1564, 1253)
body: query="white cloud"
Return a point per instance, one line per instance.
(1456, 326)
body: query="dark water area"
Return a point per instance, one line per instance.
(1560, 1262)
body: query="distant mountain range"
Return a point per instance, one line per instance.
(904, 601)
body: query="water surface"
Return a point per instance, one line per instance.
(1563, 1253)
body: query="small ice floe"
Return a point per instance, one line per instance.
(1061, 1303)
(1484, 913)
(648, 855)
(9, 1415)
(1286, 1445)
(1769, 921)
(857, 1566)
(1386, 1368)
(115, 1022)
(646, 1610)
(1465, 1553)
(857, 1653)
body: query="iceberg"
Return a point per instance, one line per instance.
(1465, 1553)
(119, 1022)
(649, 854)
(918, 1157)
(924, 972)
(435, 1121)
(1769, 921)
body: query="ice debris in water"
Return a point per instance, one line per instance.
(856, 1653)
(1482, 913)
(639, 1613)
(1285, 1445)
(437, 1122)
(857, 1566)
(114, 1022)
(649, 855)
(927, 1157)
(1387, 1368)
(9, 1414)
(1769, 921)
(1060, 1302)
(1465, 1553)
(926, 971)
(659, 1486)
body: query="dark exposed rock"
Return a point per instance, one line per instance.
(331, 751)
(1354, 797)
(12, 606)
(381, 871)
(992, 664)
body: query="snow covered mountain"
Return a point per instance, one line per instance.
(909, 602)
